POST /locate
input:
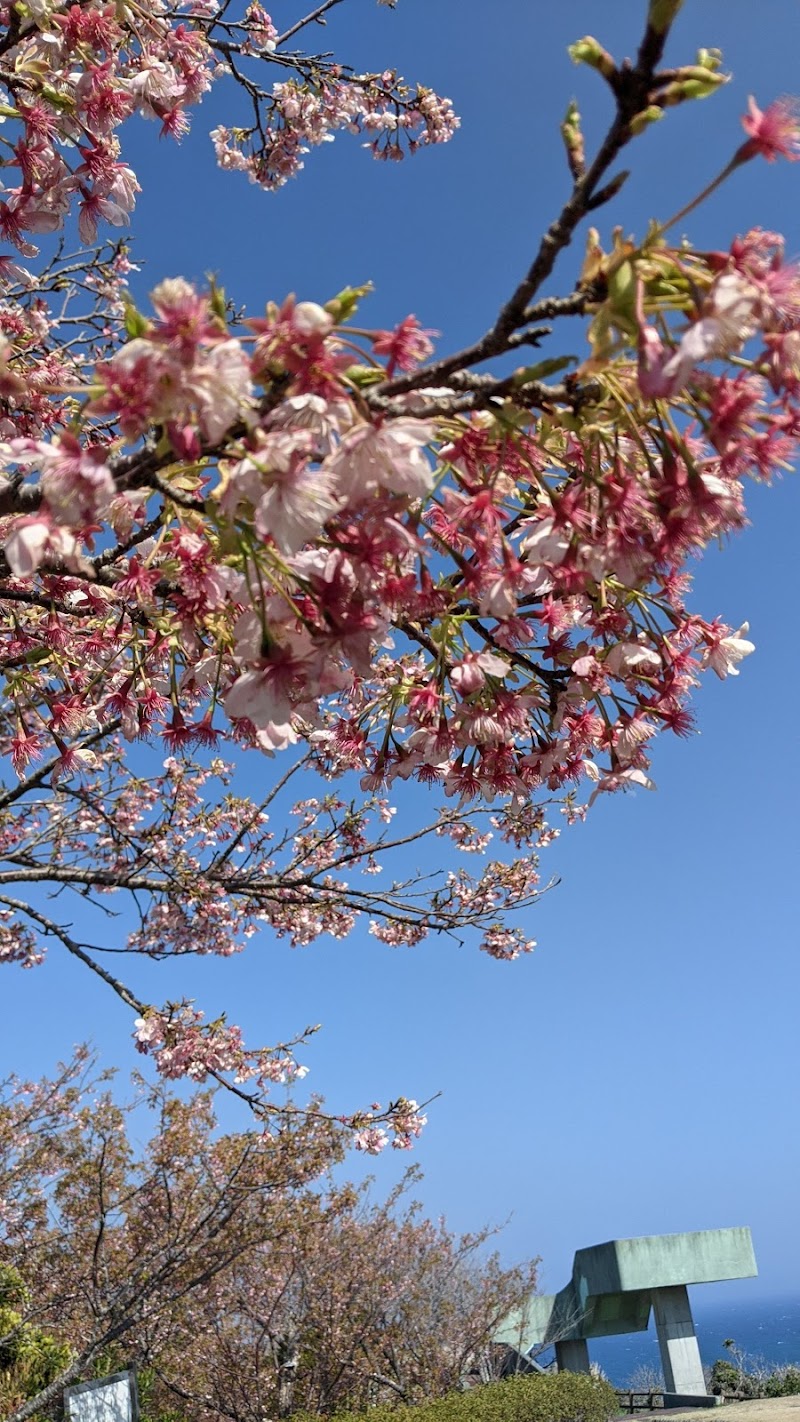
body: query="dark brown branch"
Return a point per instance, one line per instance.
(52, 930)
(632, 91)
(314, 17)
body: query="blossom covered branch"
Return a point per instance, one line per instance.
(296, 535)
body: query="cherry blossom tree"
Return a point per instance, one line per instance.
(230, 1267)
(293, 539)
(112, 1241)
(355, 1304)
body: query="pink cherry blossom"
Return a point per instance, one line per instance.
(34, 541)
(371, 1139)
(773, 132)
(388, 456)
(725, 649)
(405, 347)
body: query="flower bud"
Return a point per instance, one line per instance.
(590, 51)
(309, 319)
(345, 304)
(661, 14)
(709, 59)
(639, 122)
(694, 81)
(622, 292)
(573, 141)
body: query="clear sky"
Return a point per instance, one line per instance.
(639, 1073)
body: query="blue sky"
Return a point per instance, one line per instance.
(639, 1073)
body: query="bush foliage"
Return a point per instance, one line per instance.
(29, 1357)
(551, 1397)
(752, 1378)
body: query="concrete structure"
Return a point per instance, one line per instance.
(612, 1290)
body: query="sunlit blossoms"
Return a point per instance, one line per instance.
(75, 74)
(240, 548)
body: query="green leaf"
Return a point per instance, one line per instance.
(135, 323)
(216, 300)
(543, 369)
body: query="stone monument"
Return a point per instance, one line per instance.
(612, 1290)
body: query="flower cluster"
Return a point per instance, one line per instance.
(405, 1123)
(535, 573)
(74, 75)
(17, 942)
(300, 117)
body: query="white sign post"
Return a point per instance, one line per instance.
(111, 1399)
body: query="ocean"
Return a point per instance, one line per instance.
(764, 1330)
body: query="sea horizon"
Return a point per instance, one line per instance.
(764, 1329)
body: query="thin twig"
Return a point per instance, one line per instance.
(315, 15)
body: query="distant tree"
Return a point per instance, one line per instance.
(356, 1304)
(113, 1243)
(226, 1265)
(750, 1375)
(646, 1377)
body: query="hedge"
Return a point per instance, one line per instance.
(547, 1397)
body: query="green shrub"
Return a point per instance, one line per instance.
(725, 1377)
(13, 1295)
(728, 1378)
(784, 1383)
(549, 1397)
(34, 1352)
(31, 1358)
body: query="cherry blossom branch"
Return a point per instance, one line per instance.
(264, 531)
(38, 777)
(483, 391)
(632, 90)
(140, 535)
(315, 16)
(38, 599)
(280, 784)
(283, 889)
(53, 930)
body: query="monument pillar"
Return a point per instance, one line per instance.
(572, 1355)
(677, 1341)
